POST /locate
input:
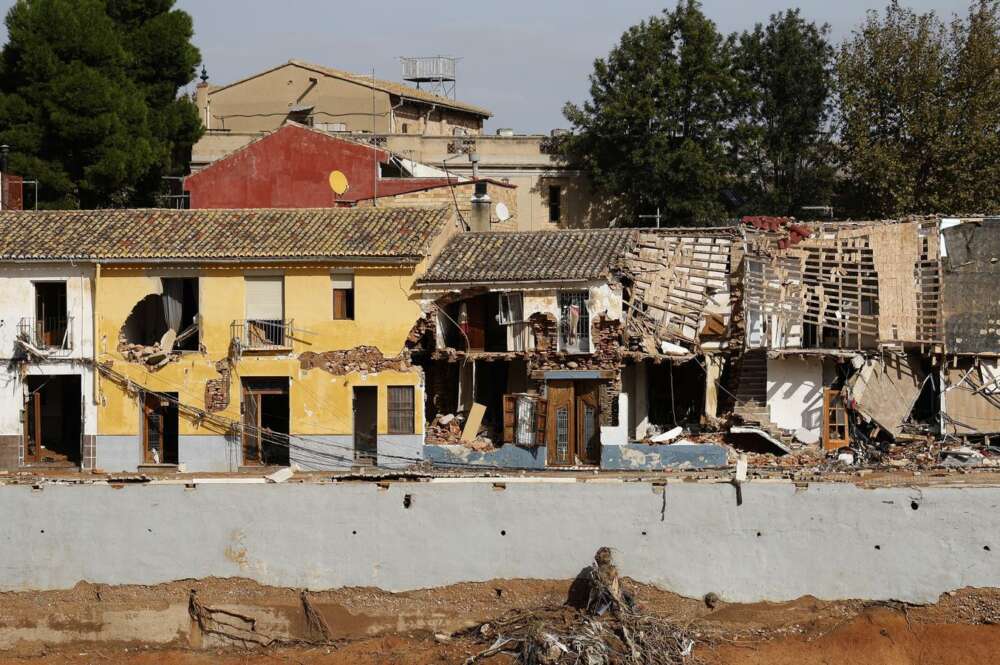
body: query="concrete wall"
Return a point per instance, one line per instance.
(795, 393)
(833, 541)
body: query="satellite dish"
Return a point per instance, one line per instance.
(338, 182)
(503, 212)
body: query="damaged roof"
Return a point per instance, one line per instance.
(583, 254)
(157, 235)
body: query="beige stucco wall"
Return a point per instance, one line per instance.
(261, 103)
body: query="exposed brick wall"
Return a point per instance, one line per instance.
(358, 359)
(217, 390)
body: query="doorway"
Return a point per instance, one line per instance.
(366, 424)
(159, 429)
(573, 431)
(52, 420)
(265, 422)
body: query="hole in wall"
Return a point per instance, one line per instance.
(503, 532)
(354, 533)
(499, 592)
(644, 533)
(986, 548)
(758, 534)
(878, 547)
(914, 505)
(42, 531)
(407, 500)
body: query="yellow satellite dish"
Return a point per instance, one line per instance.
(338, 182)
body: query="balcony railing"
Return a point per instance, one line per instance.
(48, 334)
(262, 335)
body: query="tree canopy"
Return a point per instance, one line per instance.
(919, 104)
(89, 98)
(655, 131)
(785, 153)
(903, 117)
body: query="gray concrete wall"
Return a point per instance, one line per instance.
(209, 453)
(832, 540)
(117, 453)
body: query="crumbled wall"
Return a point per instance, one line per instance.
(366, 359)
(217, 390)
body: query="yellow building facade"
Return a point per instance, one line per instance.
(283, 343)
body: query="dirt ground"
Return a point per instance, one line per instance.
(371, 627)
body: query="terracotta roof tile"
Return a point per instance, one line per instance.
(190, 235)
(529, 256)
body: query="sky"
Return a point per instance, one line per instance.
(521, 59)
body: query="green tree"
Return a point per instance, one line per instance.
(974, 185)
(88, 98)
(785, 159)
(656, 131)
(911, 104)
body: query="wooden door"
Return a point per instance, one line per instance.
(251, 428)
(560, 432)
(588, 422)
(476, 323)
(835, 434)
(33, 427)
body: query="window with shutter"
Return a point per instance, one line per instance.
(342, 284)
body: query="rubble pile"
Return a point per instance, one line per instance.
(362, 359)
(446, 429)
(609, 629)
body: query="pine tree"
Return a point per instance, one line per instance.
(88, 98)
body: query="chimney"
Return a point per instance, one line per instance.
(479, 218)
(201, 99)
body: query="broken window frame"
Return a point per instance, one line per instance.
(581, 340)
(183, 335)
(511, 317)
(401, 406)
(342, 297)
(43, 330)
(260, 333)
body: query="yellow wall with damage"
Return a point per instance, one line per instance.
(319, 401)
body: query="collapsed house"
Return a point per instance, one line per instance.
(571, 348)
(862, 332)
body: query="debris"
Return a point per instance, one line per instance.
(611, 629)
(846, 457)
(711, 600)
(758, 432)
(807, 436)
(280, 476)
(444, 420)
(473, 422)
(669, 435)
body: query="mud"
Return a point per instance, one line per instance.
(94, 624)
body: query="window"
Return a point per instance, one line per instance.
(400, 409)
(50, 314)
(343, 295)
(265, 311)
(574, 322)
(555, 203)
(405, 128)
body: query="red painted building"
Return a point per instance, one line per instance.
(291, 167)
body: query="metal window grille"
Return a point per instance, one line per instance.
(574, 322)
(562, 434)
(525, 435)
(401, 409)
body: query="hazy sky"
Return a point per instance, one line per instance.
(521, 59)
